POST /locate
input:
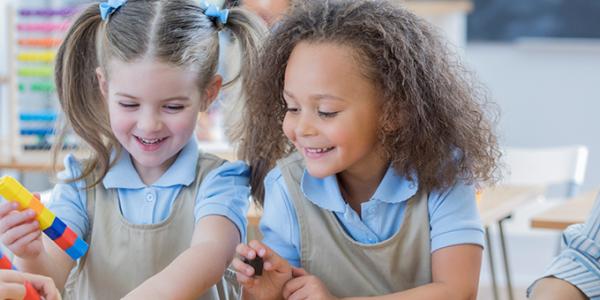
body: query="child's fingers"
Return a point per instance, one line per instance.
(11, 276)
(7, 207)
(18, 232)
(271, 260)
(300, 294)
(15, 218)
(12, 291)
(241, 267)
(244, 280)
(25, 240)
(259, 247)
(44, 285)
(297, 272)
(11, 284)
(292, 287)
(245, 251)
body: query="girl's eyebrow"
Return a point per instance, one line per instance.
(326, 97)
(317, 96)
(126, 95)
(286, 93)
(182, 98)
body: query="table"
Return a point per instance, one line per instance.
(496, 205)
(573, 211)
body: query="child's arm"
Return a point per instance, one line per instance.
(455, 272)
(199, 267)
(552, 288)
(276, 272)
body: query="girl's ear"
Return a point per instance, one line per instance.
(212, 91)
(102, 83)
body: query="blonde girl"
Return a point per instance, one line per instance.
(161, 217)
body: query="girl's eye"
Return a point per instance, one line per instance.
(325, 114)
(292, 110)
(128, 105)
(174, 107)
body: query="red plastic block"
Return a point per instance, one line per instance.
(67, 239)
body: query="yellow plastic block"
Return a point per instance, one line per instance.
(13, 191)
(46, 217)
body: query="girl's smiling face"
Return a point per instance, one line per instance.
(152, 108)
(333, 110)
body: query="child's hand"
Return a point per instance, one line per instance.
(305, 286)
(276, 271)
(19, 231)
(12, 285)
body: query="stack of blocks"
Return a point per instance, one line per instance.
(30, 292)
(52, 226)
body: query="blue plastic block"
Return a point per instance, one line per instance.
(78, 249)
(56, 229)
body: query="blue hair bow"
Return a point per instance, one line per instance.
(212, 11)
(109, 7)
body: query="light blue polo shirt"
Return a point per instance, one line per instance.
(453, 215)
(224, 191)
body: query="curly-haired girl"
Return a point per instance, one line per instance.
(375, 138)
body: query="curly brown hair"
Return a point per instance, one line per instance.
(436, 120)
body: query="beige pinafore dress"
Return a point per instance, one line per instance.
(123, 255)
(350, 268)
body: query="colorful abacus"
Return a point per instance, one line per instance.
(52, 226)
(30, 292)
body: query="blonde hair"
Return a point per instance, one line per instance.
(176, 32)
(434, 123)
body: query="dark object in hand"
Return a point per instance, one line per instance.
(257, 264)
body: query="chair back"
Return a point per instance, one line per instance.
(546, 167)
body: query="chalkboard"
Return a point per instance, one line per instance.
(507, 20)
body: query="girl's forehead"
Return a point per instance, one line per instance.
(151, 78)
(116, 65)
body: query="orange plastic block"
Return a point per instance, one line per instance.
(36, 205)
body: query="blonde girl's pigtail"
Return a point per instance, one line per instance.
(79, 93)
(249, 32)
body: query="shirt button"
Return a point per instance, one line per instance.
(149, 197)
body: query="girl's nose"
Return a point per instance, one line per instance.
(305, 126)
(149, 122)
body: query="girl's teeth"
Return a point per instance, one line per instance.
(318, 150)
(150, 141)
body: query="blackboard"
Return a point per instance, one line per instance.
(507, 20)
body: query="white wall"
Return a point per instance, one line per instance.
(548, 91)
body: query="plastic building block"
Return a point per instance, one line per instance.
(52, 226)
(67, 239)
(30, 292)
(78, 249)
(46, 218)
(5, 263)
(13, 191)
(56, 229)
(36, 205)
